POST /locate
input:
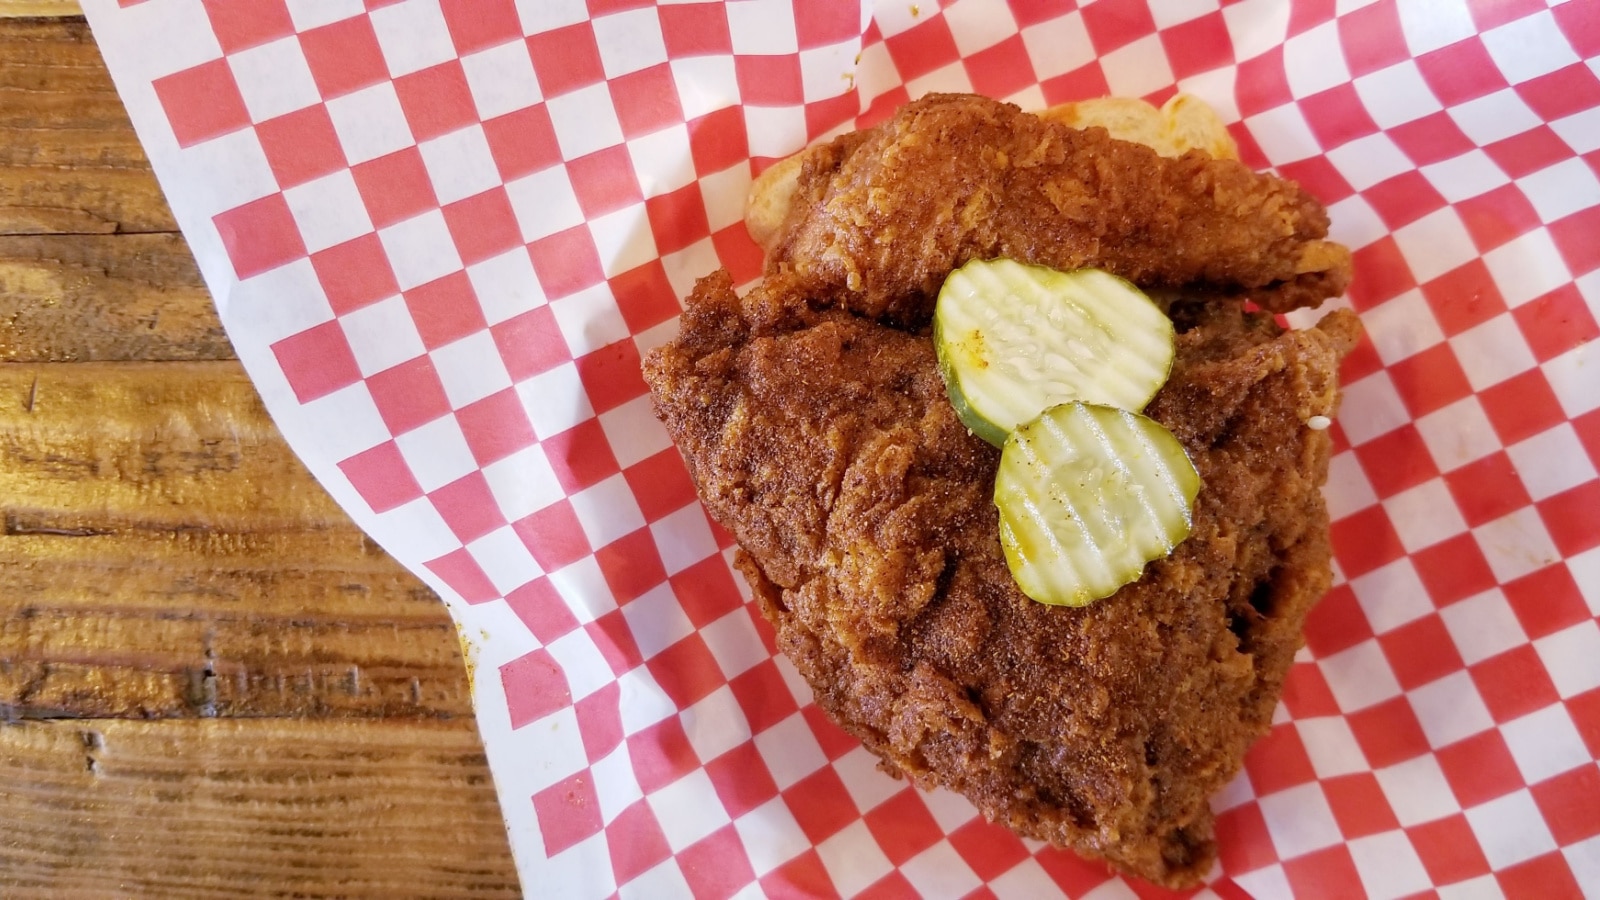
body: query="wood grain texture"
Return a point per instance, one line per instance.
(202, 624)
(274, 807)
(71, 298)
(39, 8)
(163, 553)
(148, 447)
(212, 684)
(69, 160)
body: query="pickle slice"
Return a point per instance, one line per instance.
(1088, 495)
(1015, 339)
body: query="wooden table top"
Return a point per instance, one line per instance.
(211, 682)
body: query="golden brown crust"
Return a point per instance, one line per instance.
(880, 217)
(817, 430)
(1183, 123)
(824, 442)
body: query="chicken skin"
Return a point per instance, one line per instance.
(880, 217)
(817, 429)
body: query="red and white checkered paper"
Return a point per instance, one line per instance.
(442, 233)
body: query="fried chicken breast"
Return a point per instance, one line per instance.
(880, 217)
(817, 429)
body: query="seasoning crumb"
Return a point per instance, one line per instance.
(1318, 423)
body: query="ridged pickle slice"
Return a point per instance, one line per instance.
(1014, 340)
(1088, 495)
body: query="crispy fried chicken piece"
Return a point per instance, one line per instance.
(880, 217)
(825, 443)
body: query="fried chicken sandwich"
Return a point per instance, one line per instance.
(814, 420)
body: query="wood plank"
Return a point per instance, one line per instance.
(39, 8)
(211, 808)
(201, 624)
(69, 160)
(70, 298)
(163, 553)
(149, 447)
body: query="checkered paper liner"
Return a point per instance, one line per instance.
(442, 233)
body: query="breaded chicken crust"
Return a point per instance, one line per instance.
(824, 442)
(880, 217)
(817, 430)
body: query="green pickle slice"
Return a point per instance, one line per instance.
(1014, 340)
(1088, 495)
